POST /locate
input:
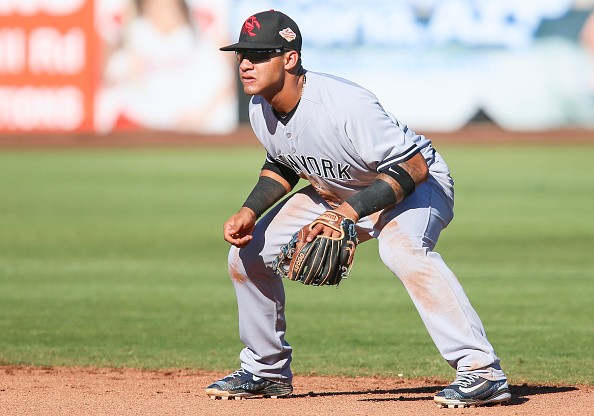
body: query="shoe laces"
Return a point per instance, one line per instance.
(237, 373)
(465, 379)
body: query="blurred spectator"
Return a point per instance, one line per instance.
(163, 74)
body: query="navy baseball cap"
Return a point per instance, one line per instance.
(268, 30)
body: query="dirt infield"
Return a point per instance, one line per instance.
(478, 134)
(90, 391)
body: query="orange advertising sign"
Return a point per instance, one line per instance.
(47, 73)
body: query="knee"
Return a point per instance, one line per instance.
(404, 258)
(244, 263)
(237, 271)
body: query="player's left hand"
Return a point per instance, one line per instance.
(309, 233)
(324, 261)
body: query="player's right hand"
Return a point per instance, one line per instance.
(238, 228)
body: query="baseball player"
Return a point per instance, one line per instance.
(363, 164)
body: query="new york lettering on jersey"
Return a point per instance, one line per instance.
(311, 165)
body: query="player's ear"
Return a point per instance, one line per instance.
(291, 60)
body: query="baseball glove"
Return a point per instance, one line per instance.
(323, 261)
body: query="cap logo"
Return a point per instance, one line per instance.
(288, 34)
(249, 25)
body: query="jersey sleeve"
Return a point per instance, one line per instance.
(286, 172)
(377, 136)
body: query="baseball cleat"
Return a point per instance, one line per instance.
(470, 390)
(242, 384)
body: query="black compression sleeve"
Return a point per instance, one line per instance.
(376, 196)
(266, 192)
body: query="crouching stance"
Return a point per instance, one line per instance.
(371, 174)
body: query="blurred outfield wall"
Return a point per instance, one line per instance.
(120, 65)
(437, 64)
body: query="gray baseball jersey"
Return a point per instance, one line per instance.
(339, 147)
(338, 138)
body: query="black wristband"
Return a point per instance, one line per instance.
(376, 196)
(400, 175)
(266, 192)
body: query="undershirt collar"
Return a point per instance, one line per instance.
(284, 118)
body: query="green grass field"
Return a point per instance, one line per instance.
(116, 258)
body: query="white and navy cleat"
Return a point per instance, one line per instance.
(242, 384)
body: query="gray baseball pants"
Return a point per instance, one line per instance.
(406, 233)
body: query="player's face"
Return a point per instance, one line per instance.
(261, 72)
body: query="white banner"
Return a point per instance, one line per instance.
(436, 64)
